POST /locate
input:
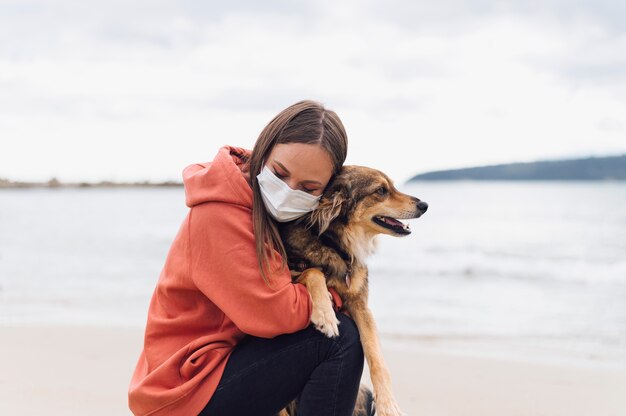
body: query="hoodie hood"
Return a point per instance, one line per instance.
(220, 180)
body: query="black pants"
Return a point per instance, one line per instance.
(263, 375)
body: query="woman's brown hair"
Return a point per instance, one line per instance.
(305, 122)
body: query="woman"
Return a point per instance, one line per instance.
(228, 333)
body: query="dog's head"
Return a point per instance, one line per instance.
(366, 198)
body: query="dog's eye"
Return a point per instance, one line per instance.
(381, 191)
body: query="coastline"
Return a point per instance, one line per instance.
(75, 370)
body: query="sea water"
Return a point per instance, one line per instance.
(521, 268)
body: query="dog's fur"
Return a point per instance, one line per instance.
(329, 247)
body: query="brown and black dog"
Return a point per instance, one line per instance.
(329, 247)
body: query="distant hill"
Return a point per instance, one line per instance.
(592, 168)
(55, 183)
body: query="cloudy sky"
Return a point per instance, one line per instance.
(137, 90)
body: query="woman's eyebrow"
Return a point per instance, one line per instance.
(282, 166)
(288, 173)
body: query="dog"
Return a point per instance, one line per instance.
(329, 247)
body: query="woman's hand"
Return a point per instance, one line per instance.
(336, 299)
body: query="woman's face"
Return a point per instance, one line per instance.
(305, 167)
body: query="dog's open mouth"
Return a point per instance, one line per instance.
(392, 224)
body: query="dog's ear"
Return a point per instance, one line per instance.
(327, 210)
(333, 204)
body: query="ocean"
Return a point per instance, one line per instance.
(517, 269)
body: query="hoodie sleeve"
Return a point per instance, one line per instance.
(223, 265)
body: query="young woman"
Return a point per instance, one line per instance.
(228, 333)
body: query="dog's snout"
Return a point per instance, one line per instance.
(422, 206)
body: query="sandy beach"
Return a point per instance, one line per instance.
(85, 370)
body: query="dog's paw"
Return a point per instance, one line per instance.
(387, 406)
(324, 318)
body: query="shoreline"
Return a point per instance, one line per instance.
(75, 370)
(515, 349)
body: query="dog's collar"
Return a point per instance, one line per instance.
(299, 264)
(330, 240)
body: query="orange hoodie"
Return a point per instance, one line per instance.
(210, 293)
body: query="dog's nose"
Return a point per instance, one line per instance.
(423, 206)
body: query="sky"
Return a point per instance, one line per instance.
(138, 90)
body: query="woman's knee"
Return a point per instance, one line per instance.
(349, 338)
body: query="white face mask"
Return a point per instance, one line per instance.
(282, 202)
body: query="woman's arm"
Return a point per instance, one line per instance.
(223, 265)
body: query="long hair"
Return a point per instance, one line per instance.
(305, 122)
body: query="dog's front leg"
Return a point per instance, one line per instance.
(384, 399)
(323, 315)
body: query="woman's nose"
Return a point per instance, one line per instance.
(291, 183)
